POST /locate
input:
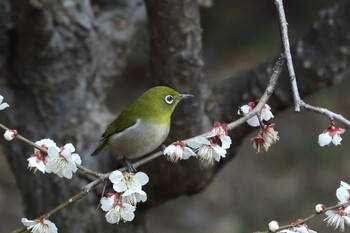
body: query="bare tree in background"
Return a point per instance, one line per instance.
(58, 63)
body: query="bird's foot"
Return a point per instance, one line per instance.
(129, 165)
(163, 146)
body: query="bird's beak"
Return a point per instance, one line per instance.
(185, 96)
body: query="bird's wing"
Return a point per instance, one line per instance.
(122, 122)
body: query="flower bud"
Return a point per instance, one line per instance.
(319, 208)
(10, 134)
(273, 226)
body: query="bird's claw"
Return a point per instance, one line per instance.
(129, 165)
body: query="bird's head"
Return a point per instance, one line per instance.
(161, 100)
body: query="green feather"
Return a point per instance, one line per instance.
(151, 106)
(122, 122)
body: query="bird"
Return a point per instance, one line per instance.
(142, 126)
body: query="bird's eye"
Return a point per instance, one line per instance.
(169, 99)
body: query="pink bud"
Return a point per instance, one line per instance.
(10, 134)
(319, 208)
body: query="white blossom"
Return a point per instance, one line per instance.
(343, 192)
(117, 210)
(124, 181)
(37, 161)
(331, 134)
(337, 218)
(62, 162)
(39, 226)
(220, 130)
(3, 105)
(178, 151)
(207, 150)
(265, 113)
(260, 143)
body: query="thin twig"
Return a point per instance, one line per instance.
(264, 98)
(298, 102)
(331, 115)
(27, 141)
(286, 51)
(306, 219)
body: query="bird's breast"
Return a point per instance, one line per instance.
(139, 139)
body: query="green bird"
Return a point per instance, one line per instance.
(142, 126)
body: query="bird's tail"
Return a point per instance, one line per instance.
(100, 147)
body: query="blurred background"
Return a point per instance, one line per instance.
(283, 184)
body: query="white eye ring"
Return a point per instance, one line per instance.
(169, 99)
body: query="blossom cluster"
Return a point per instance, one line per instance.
(340, 216)
(336, 217)
(121, 205)
(265, 114)
(39, 226)
(331, 135)
(60, 161)
(267, 135)
(207, 148)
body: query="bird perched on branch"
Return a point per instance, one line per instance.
(142, 126)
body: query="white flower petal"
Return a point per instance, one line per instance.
(107, 203)
(27, 222)
(343, 195)
(225, 141)
(336, 139)
(113, 216)
(116, 176)
(141, 178)
(128, 212)
(132, 185)
(324, 139)
(33, 162)
(42, 226)
(254, 121)
(46, 142)
(170, 150)
(51, 225)
(120, 187)
(220, 151)
(132, 197)
(344, 184)
(245, 109)
(76, 158)
(68, 148)
(198, 141)
(266, 113)
(53, 152)
(187, 153)
(3, 106)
